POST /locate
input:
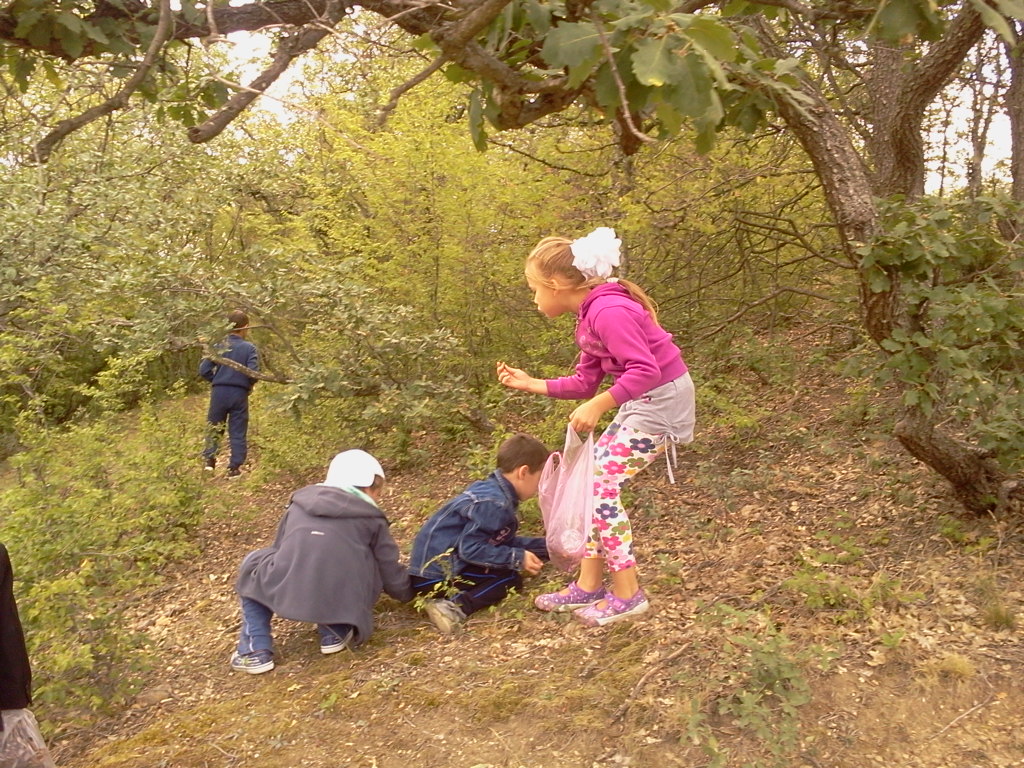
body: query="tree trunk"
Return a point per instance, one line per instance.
(1014, 103)
(1015, 112)
(976, 480)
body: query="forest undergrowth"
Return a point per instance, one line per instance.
(817, 600)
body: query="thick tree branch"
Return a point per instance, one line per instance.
(219, 360)
(901, 99)
(289, 48)
(119, 100)
(415, 16)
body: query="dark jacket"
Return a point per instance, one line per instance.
(237, 349)
(15, 672)
(332, 556)
(476, 528)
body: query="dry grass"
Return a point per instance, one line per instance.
(818, 601)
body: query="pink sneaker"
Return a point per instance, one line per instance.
(568, 599)
(615, 609)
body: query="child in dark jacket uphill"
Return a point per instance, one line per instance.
(469, 547)
(332, 556)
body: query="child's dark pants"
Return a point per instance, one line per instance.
(477, 589)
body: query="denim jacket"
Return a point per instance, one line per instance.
(477, 528)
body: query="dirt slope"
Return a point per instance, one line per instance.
(817, 601)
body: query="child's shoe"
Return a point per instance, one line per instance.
(332, 643)
(445, 615)
(255, 663)
(568, 599)
(615, 609)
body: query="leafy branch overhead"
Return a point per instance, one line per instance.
(852, 82)
(651, 67)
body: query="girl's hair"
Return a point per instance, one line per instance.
(550, 264)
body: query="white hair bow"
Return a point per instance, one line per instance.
(597, 254)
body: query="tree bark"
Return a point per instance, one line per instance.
(1014, 104)
(978, 482)
(899, 95)
(896, 146)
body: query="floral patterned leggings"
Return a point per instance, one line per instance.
(621, 452)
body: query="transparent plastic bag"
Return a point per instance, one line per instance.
(21, 743)
(566, 499)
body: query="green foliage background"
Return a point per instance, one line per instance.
(383, 269)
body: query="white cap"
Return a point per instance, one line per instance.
(353, 469)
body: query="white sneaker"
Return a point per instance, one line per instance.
(445, 615)
(332, 643)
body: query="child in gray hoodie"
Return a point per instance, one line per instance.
(332, 557)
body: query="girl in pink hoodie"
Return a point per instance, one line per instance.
(619, 337)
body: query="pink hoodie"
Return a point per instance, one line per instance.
(618, 338)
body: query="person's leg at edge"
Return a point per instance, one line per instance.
(238, 427)
(625, 583)
(622, 453)
(591, 575)
(255, 633)
(337, 630)
(478, 591)
(216, 422)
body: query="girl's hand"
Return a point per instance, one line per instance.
(514, 378)
(586, 416)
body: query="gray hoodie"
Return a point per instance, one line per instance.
(332, 556)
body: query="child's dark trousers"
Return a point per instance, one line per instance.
(477, 588)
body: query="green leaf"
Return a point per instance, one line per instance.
(458, 74)
(670, 118)
(878, 281)
(641, 19)
(52, 77)
(41, 34)
(70, 21)
(662, 6)
(1011, 8)
(994, 19)
(476, 122)
(72, 44)
(706, 135)
(712, 36)
(425, 43)
(656, 61)
(26, 21)
(606, 84)
(572, 44)
(537, 16)
(96, 33)
(691, 91)
(21, 69)
(898, 20)
(214, 93)
(748, 117)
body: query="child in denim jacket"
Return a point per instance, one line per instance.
(469, 547)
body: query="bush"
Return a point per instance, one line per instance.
(90, 515)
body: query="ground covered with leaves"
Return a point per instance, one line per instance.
(817, 600)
